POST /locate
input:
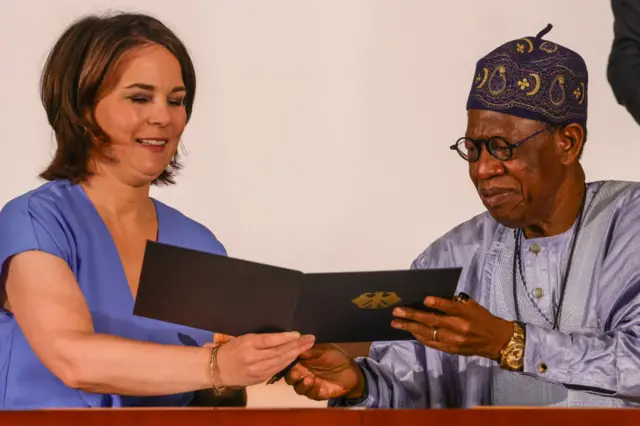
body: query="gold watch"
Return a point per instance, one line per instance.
(512, 355)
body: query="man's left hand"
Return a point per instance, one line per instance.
(464, 328)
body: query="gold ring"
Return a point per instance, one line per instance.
(435, 334)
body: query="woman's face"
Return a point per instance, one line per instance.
(143, 115)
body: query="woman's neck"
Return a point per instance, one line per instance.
(117, 200)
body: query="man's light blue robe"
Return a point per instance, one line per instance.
(592, 360)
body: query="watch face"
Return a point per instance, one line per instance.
(514, 356)
(516, 353)
(513, 359)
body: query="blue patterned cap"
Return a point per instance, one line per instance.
(532, 78)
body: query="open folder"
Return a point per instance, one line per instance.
(234, 297)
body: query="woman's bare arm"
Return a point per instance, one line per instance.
(53, 315)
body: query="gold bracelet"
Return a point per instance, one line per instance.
(213, 365)
(512, 355)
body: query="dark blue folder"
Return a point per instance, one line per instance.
(234, 296)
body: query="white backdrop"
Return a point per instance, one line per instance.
(321, 128)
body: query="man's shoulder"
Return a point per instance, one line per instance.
(624, 194)
(458, 245)
(625, 184)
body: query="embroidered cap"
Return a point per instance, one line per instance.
(532, 78)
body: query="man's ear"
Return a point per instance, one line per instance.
(570, 140)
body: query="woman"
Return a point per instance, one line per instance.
(118, 92)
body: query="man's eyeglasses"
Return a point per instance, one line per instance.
(499, 147)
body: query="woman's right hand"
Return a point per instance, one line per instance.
(253, 358)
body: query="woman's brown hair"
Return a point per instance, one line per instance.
(73, 79)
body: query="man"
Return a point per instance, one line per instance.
(623, 69)
(549, 309)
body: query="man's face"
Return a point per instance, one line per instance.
(518, 192)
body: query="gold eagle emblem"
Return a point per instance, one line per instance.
(376, 300)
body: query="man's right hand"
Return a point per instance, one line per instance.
(324, 372)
